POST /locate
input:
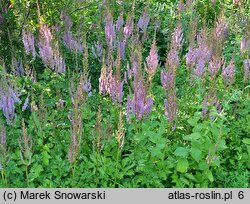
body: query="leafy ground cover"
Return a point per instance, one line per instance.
(124, 93)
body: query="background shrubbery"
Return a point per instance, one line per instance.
(124, 93)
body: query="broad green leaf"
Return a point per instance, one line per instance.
(193, 136)
(181, 152)
(196, 154)
(203, 165)
(182, 165)
(209, 175)
(246, 141)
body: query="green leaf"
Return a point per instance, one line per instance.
(181, 152)
(182, 165)
(45, 158)
(209, 175)
(203, 165)
(193, 136)
(196, 154)
(246, 141)
(193, 121)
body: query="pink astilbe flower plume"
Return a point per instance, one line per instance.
(29, 42)
(152, 61)
(228, 73)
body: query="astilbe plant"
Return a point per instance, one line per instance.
(50, 54)
(168, 77)
(69, 40)
(45, 46)
(141, 104)
(143, 21)
(246, 66)
(152, 61)
(110, 32)
(97, 51)
(8, 97)
(29, 42)
(228, 73)
(17, 67)
(78, 97)
(25, 144)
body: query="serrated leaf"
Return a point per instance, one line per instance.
(182, 165)
(196, 154)
(193, 121)
(193, 136)
(246, 141)
(209, 175)
(181, 152)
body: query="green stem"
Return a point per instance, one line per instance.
(116, 166)
(165, 147)
(27, 175)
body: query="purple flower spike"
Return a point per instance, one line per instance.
(110, 31)
(8, 98)
(141, 104)
(45, 49)
(121, 47)
(214, 65)
(177, 37)
(28, 42)
(143, 21)
(167, 79)
(246, 65)
(128, 29)
(119, 23)
(152, 60)
(170, 107)
(228, 73)
(97, 50)
(245, 45)
(71, 43)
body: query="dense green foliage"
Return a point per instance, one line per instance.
(66, 138)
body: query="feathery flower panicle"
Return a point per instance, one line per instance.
(128, 29)
(246, 65)
(116, 90)
(120, 132)
(25, 144)
(66, 20)
(29, 42)
(119, 23)
(71, 43)
(59, 64)
(143, 21)
(8, 98)
(97, 50)
(177, 38)
(221, 30)
(191, 57)
(45, 49)
(106, 80)
(167, 79)
(152, 61)
(200, 68)
(110, 31)
(170, 107)
(26, 104)
(245, 45)
(140, 104)
(228, 73)
(17, 67)
(121, 47)
(173, 59)
(214, 65)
